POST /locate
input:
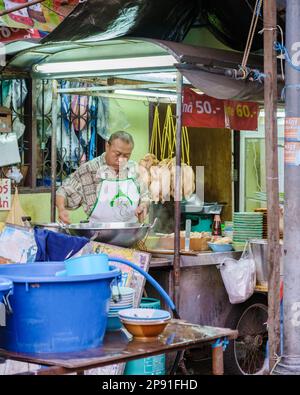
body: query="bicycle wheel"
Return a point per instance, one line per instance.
(246, 355)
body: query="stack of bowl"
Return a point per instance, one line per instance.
(246, 226)
(144, 324)
(121, 299)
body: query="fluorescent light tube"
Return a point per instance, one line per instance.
(145, 93)
(106, 64)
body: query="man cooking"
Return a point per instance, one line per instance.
(107, 187)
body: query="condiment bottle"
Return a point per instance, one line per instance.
(216, 226)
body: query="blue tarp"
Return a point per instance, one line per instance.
(53, 246)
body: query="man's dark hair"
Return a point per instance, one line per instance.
(124, 136)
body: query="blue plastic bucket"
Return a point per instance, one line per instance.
(87, 264)
(55, 314)
(155, 365)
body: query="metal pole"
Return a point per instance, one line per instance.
(271, 148)
(54, 148)
(33, 140)
(290, 360)
(113, 87)
(176, 264)
(20, 7)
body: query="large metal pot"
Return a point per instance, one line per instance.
(123, 234)
(259, 248)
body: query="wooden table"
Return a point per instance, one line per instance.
(119, 347)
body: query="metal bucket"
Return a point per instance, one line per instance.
(259, 248)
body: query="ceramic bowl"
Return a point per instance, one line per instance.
(144, 331)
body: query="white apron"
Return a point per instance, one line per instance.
(117, 201)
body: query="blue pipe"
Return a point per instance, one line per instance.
(151, 280)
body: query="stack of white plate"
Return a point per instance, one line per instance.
(122, 299)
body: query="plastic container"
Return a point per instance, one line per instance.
(55, 314)
(87, 264)
(155, 365)
(150, 303)
(113, 323)
(201, 222)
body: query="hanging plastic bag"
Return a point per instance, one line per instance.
(239, 276)
(16, 212)
(9, 149)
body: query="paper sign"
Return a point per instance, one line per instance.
(5, 194)
(292, 153)
(292, 129)
(203, 111)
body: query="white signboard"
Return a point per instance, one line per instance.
(5, 194)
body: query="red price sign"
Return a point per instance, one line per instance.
(207, 112)
(241, 115)
(202, 111)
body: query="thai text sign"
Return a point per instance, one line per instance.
(203, 111)
(5, 194)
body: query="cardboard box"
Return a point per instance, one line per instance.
(5, 120)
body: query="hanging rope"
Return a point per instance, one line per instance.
(163, 143)
(251, 33)
(281, 48)
(168, 135)
(156, 143)
(185, 146)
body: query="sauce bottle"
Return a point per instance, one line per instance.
(216, 226)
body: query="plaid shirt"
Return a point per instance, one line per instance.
(82, 187)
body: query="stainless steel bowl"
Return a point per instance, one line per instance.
(123, 234)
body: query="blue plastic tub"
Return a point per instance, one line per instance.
(55, 314)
